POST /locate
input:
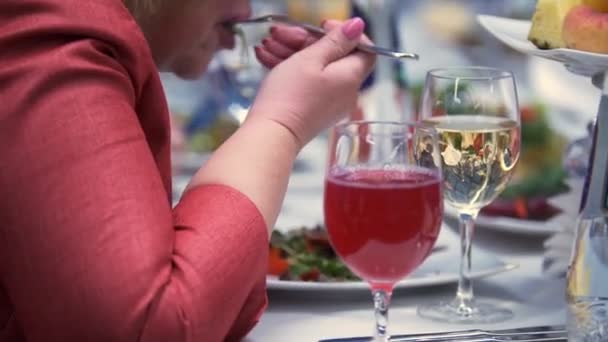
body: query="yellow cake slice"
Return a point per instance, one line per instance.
(546, 32)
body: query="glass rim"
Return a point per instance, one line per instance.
(493, 73)
(342, 128)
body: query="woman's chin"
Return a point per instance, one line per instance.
(191, 68)
(191, 73)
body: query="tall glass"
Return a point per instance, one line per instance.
(383, 203)
(476, 113)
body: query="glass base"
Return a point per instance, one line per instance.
(479, 312)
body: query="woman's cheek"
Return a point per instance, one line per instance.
(191, 65)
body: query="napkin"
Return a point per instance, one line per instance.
(558, 248)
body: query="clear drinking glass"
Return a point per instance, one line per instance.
(383, 203)
(476, 113)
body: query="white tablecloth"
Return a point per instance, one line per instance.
(535, 299)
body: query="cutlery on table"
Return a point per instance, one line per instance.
(532, 334)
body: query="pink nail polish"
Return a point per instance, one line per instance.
(353, 28)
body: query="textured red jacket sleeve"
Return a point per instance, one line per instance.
(90, 248)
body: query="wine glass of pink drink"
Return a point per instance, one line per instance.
(383, 203)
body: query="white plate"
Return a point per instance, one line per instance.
(510, 225)
(440, 268)
(514, 33)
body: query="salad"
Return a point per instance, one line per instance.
(306, 255)
(539, 174)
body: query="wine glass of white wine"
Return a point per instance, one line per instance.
(476, 112)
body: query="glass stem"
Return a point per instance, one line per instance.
(464, 296)
(382, 300)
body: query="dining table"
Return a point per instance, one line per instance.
(301, 314)
(535, 299)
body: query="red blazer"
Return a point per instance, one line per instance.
(90, 248)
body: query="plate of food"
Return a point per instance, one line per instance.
(525, 207)
(303, 260)
(511, 225)
(572, 32)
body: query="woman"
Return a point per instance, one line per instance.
(90, 248)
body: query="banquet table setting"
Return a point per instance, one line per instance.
(536, 300)
(515, 278)
(512, 258)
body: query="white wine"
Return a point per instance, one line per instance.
(478, 155)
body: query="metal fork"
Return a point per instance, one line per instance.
(534, 334)
(276, 18)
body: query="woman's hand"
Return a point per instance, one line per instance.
(315, 82)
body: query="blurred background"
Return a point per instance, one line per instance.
(557, 107)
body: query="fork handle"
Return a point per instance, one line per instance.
(361, 46)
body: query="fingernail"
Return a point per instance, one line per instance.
(353, 29)
(273, 30)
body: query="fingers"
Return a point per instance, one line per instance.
(277, 48)
(357, 66)
(295, 38)
(265, 57)
(339, 42)
(331, 24)
(284, 41)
